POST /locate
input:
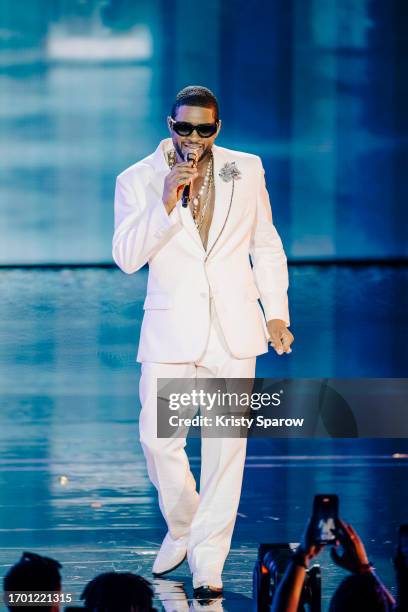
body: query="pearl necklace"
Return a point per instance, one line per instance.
(198, 211)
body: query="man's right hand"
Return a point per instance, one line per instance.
(180, 175)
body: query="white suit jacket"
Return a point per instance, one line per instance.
(182, 274)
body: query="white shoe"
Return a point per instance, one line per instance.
(172, 553)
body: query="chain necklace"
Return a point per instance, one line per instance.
(197, 210)
(199, 218)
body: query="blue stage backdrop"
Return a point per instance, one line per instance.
(317, 88)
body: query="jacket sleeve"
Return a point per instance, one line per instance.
(142, 225)
(268, 257)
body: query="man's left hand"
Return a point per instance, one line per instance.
(279, 336)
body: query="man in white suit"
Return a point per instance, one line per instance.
(202, 317)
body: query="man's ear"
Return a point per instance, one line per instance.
(219, 127)
(169, 124)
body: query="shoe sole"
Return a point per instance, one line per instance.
(157, 574)
(206, 593)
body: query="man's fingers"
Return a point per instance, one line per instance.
(287, 339)
(185, 164)
(279, 336)
(187, 170)
(183, 180)
(185, 177)
(276, 343)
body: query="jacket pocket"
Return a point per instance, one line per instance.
(159, 301)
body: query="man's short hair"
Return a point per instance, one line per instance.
(33, 573)
(113, 591)
(195, 95)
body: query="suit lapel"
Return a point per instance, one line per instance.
(161, 169)
(190, 226)
(222, 199)
(223, 192)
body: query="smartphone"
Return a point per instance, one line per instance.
(403, 541)
(324, 518)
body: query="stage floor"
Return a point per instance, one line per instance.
(73, 483)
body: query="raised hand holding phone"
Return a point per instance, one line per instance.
(325, 518)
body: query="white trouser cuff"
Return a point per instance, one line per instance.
(209, 578)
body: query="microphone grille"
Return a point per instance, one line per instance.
(192, 156)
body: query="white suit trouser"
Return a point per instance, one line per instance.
(207, 518)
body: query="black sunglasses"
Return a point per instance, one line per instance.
(204, 130)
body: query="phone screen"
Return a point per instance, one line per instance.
(324, 518)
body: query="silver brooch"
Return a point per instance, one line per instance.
(229, 172)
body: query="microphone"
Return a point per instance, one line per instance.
(191, 156)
